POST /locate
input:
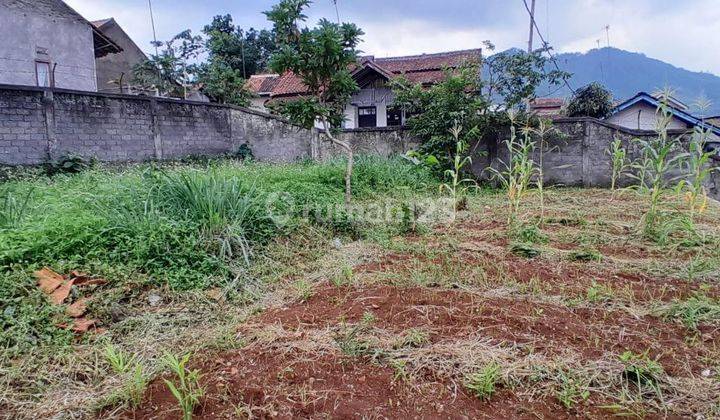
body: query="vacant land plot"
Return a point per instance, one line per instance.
(570, 314)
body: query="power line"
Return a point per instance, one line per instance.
(546, 45)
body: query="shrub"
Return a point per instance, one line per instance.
(593, 100)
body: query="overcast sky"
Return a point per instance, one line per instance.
(684, 33)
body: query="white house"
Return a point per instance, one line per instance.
(372, 106)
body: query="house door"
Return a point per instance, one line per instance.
(367, 116)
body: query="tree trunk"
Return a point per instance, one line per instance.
(350, 162)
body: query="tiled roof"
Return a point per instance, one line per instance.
(423, 69)
(547, 103)
(262, 83)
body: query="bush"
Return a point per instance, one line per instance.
(592, 100)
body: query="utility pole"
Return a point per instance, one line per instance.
(337, 12)
(532, 27)
(155, 43)
(607, 32)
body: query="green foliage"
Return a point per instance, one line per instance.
(660, 156)
(585, 255)
(698, 165)
(188, 390)
(572, 390)
(321, 57)
(699, 308)
(413, 338)
(524, 250)
(517, 173)
(13, 207)
(512, 77)
(618, 156)
(593, 100)
(184, 225)
(597, 292)
(229, 46)
(224, 84)
(642, 372)
(170, 71)
(457, 188)
(530, 234)
(482, 382)
(69, 164)
(436, 111)
(119, 361)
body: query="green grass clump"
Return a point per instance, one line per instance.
(188, 226)
(482, 382)
(695, 310)
(524, 250)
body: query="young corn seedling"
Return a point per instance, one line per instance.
(188, 390)
(119, 361)
(457, 187)
(618, 157)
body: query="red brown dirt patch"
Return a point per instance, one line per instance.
(298, 385)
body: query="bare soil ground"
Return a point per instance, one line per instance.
(585, 329)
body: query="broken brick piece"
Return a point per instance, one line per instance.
(77, 309)
(48, 280)
(61, 293)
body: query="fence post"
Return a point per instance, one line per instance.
(48, 104)
(157, 139)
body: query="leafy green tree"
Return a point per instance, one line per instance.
(230, 46)
(436, 111)
(321, 57)
(511, 78)
(592, 100)
(171, 70)
(223, 84)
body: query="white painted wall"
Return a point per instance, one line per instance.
(642, 116)
(380, 98)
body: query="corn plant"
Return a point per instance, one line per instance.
(457, 188)
(516, 174)
(699, 168)
(659, 159)
(188, 390)
(119, 361)
(618, 156)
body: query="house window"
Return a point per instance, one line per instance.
(42, 73)
(394, 117)
(367, 117)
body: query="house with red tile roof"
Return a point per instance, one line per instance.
(372, 105)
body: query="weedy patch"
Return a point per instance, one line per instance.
(697, 309)
(585, 255)
(525, 250)
(482, 382)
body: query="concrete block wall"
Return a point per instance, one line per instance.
(37, 125)
(107, 128)
(23, 136)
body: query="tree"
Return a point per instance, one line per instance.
(455, 102)
(512, 77)
(171, 70)
(321, 57)
(223, 84)
(230, 46)
(592, 100)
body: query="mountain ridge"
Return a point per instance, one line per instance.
(626, 73)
